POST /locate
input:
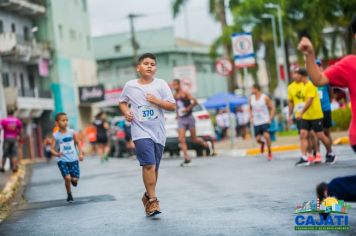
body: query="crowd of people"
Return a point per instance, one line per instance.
(144, 100)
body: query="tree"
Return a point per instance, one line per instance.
(217, 9)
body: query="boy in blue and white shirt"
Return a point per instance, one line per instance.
(65, 147)
(149, 97)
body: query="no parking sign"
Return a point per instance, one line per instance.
(244, 54)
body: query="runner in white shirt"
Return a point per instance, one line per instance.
(261, 114)
(148, 97)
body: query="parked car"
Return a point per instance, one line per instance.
(204, 129)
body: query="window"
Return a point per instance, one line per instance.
(13, 28)
(72, 34)
(22, 84)
(84, 3)
(1, 26)
(5, 80)
(60, 29)
(26, 34)
(117, 48)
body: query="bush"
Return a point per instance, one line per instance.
(341, 118)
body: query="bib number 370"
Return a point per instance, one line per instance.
(147, 113)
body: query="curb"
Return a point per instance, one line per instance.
(291, 147)
(14, 187)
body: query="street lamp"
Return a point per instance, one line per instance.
(274, 33)
(279, 12)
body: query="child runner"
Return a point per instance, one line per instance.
(65, 148)
(148, 97)
(261, 113)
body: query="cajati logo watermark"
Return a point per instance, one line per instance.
(329, 214)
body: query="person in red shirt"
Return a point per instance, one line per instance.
(342, 74)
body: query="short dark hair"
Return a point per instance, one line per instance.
(257, 86)
(302, 71)
(58, 116)
(146, 55)
(11, 111)
(353, 23)
(177, 81)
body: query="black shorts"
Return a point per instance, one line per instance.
(102, 139)
(298, 123)
(327, 121)
(260, 129)
(10, 148)
(315, 125)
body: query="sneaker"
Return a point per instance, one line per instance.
(310, 158)
(269, 157)
(186, 163)
(210, 149)
(302, 162)
(152, 207)
(106, 157)
(145, 199)
(262, 148)
(317, 158)
(2, 170)
(330, 158)
(322, 191)
(70, 198)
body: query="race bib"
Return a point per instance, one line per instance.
(66, 148)
(299, 107)
(320, 95)
(146, 113)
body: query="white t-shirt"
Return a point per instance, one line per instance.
(260, 110)
(148, 119)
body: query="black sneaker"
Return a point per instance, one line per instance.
(2, 170)
(186, 163)
(302, 162)
(330, 158)
(70, 198)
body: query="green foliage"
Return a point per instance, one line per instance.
(342, 118)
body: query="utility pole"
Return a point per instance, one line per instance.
(220, 6)
(134, 43)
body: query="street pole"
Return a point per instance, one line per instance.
(134, 43)
(220, 6)
(274, 33)
(279, 12)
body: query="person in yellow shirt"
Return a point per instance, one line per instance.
(296, 104)
(311, 117)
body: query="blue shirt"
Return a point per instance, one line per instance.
(323, 92)
(65, 145)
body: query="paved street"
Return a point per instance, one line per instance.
(216, 196)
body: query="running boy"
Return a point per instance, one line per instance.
(148, 97)
(65, 148)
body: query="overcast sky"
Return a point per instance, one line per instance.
(110, 16)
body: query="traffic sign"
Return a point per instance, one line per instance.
(243, 50)
(223, 66)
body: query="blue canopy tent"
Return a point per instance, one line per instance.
(223, 99)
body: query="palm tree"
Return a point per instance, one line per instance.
(217, 9)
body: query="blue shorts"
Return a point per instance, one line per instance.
(148, 152)
(69, 168)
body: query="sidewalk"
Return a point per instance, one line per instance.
(250, 147)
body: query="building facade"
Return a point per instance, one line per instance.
(24, 79)
(66, 27)
(176, 57)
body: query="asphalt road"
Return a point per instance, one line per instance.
(224, 195)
